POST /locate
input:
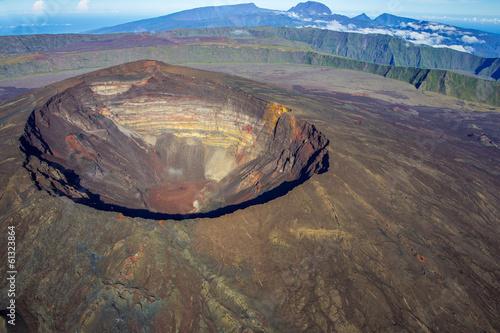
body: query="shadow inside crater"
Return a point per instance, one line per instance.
(6, 320)
(94, 200)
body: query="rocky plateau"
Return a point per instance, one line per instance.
(327, 201)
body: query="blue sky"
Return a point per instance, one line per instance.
(480, 8)
(446, 11)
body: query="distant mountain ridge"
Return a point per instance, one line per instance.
(317, 15)
(311, 8)
(363, 17)
(378, 49)
(392, 20)
(27, 55)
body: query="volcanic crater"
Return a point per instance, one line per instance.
(150, 137)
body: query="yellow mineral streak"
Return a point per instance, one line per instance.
(110, 89)
(274, 111)
(320, 234)
(214, 124)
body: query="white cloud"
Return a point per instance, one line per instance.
(440, 27)
(39, 25)
(460, 48)
(292, 15)
(472, 40)
(423, 37)
(494, 20)
(367, 31)
(335, 25)
(414, 25)
(83, 6)
(38, 6)
(433, 38)
(240, 33)
(420, 32)
(432, 26)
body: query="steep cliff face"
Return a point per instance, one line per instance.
(373, 48)
(143, 139)
(380, 55)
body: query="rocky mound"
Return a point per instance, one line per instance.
(145, 137)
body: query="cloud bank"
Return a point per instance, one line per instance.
(83, 6)
(418, 32)
(432, 34)
(38, 6)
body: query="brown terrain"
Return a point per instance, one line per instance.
(397, 231)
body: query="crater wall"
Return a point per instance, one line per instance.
(154, 140)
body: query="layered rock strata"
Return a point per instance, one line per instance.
(143, 138)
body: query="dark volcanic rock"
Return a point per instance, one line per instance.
(400, 234)
(140, 138)
(8, 92)
(483, 139)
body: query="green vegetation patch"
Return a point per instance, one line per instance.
(260, 49)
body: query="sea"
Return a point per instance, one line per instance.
(33, 24)
(488, 27)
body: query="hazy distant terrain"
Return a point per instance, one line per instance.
(317, 15)
(287, 75)
(27, 55)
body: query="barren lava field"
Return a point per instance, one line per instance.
(396, 232)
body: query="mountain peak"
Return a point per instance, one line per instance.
(311, 8)
(362, 17)
(392, 20)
